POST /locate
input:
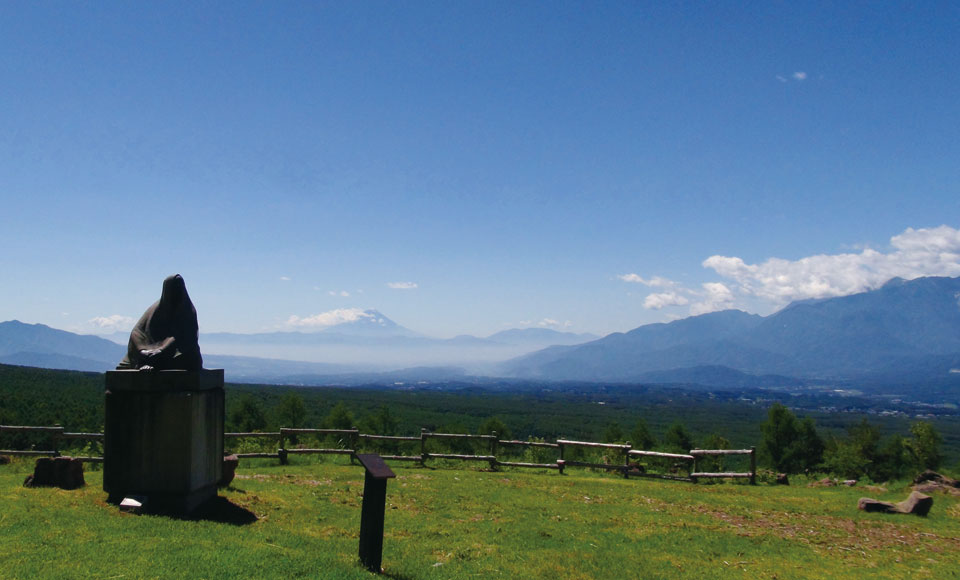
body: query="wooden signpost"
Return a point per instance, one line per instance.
(372, 509)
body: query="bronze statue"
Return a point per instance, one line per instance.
(165, 337)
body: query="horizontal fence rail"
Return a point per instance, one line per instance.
(659, 454)
(617, 456)
(388, 437)
(258, 434)
(530, 443)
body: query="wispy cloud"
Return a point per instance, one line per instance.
(343, 293)
(799, 76)
(402, 285)
(329, 318)
(112, 323)
(285, 278)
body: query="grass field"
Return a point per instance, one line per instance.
(452, 522)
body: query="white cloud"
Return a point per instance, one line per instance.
(782, 79)
(800, 76)
(663, 299)
(712, 296)
(715, 296)
(285, 278)
(329, 318)
(915, 253)
(655, 282)
(777, 281)
(343, 293)
(112, 323)
(402, 285)
(546, 323)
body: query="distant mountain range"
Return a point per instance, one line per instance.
(38, 345)
(910, 329)
(372, 327)
(369, 345)
(904, 333)
(374, 343)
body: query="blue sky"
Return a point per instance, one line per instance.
(469, 167)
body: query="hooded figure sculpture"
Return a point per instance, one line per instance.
(165, 337)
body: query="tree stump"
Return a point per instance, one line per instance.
(62, 472)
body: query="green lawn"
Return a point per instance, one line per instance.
(454, 522)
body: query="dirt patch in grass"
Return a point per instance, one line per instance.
(831, 531)
(312, 482)
(407, 504)
(286, 478)
(653, 504)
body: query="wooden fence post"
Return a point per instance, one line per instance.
(55, 439)
(626, 461)
(282, 449)
(423, 446)
(353, 441)
(494, 443)
(753, 466)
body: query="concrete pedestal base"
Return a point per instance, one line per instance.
(163, 437)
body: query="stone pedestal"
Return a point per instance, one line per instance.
(163, 437)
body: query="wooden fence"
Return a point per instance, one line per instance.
(57, 435)
(700, 454)
(617, 457)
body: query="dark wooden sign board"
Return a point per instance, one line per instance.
(375, 466)
(372, 510)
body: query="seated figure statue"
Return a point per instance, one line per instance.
(165, 337)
